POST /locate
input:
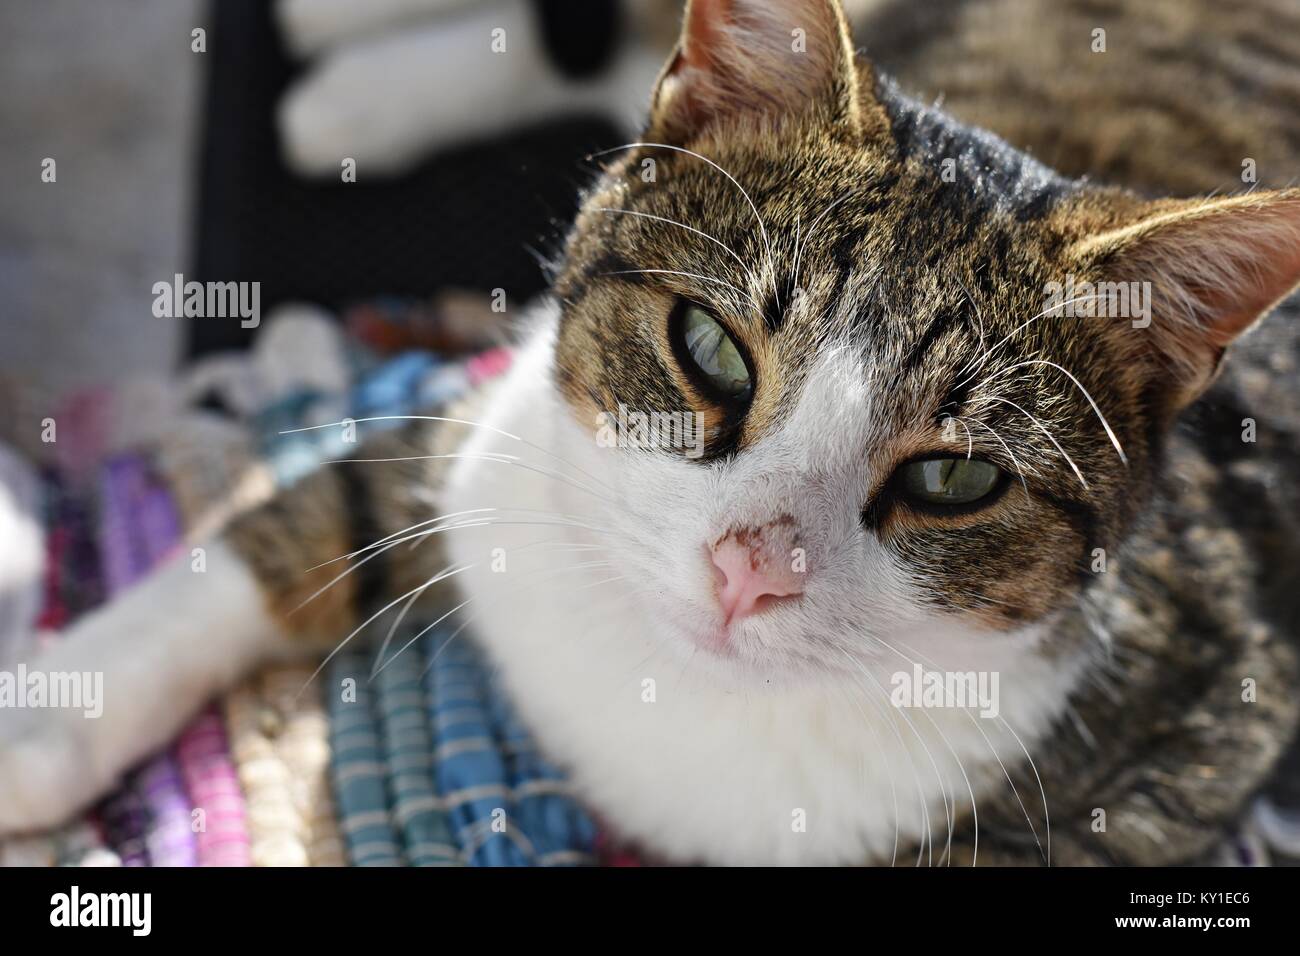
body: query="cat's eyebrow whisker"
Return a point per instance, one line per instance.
(762, 228)
(979, 360)
(689, 275)
(749, 272)
(979, 318)
(970, 441)
(1077, 384)
(1020, 471)
(798, 230)
(1052, 438)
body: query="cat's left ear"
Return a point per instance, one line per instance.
(1212, 269)
(760, 58)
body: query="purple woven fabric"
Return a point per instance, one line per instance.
(123, 480)
(169, 833)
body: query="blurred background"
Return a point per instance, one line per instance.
(391, 177)
(218, 155)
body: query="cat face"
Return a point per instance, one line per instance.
(906, 426)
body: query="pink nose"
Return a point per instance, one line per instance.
(757, 568)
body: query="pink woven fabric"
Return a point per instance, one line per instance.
(213, 784)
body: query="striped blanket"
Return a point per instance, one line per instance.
(420, 762)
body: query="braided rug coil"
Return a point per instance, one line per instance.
(422, 763)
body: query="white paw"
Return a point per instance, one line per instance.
(47, 769)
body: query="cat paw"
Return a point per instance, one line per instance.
(47, 771)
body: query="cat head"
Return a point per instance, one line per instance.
(931, 377)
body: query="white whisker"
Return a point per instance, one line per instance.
(982, 358)
(1077, 384)
(673, 222)
(762, 228)
(452, 421)
(391, 604)
(1020, 472)
(1052, 438)
(689, 275)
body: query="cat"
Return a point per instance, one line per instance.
(914, 457)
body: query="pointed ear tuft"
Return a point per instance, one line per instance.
(757, 57)
(1214, 268)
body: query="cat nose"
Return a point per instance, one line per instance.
(755, 569)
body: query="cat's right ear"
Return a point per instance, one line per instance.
(761, 59)
(1212, 268)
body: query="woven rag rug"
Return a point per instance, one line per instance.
(423, 764)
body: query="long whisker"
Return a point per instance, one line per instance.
(969, 789)
(419, 589)
(425, 630)
(1020, 472)
(389, 537)
(892, 720)
(880, 749)
(673, 222)
(350, 569)
(1078, 474)
(451, 421)
(992, 750)
(388, 638)
(558, 522)
(979, 361)
(1047, 822)
(472, 617)
(1077, 384)
(388, 542)
(762, 228)
(498, 457)
(948, 808)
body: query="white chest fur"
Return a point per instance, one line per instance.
(674, 750)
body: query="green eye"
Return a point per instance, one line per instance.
(713, 353)
(949, 481)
